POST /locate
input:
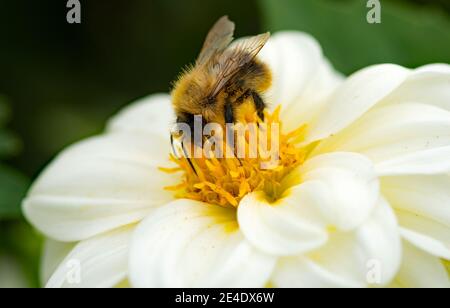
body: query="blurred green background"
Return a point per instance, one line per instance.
(60, 83)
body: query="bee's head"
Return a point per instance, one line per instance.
(184, 130)
(185, 120)
(182, 135)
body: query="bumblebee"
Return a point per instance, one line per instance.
(226, 80)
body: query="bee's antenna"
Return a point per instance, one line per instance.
(174, 151)
(187, 158)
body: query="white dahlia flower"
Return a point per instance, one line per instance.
(364, 196)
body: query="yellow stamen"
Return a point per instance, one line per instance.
(170, 170)
(225, 181)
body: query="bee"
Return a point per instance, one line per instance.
(226, 80)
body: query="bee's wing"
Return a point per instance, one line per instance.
(217, 40)
(233, 59)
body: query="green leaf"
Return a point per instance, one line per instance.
(20, 241)
(5, 111)
(13, 187)
(409, 34)
(9, 144)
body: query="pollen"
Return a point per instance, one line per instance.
(225, 181)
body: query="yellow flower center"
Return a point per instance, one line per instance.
(225, 181)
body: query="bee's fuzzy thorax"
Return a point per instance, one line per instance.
(189, 91)
(190, 94)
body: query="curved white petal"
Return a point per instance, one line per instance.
(302, 77)
(370, 255)
(407, 137)
(53, 255)
(428, 162)
(350, 187)
(293, 57)
(428, 84)
(421, 270)
(425, 234)
(290, 226)
(302, 272)
(100, 184)
(422, 205)
(359, 93)
(99, 262)
(379, 240)
(152, 114)
(192, 244)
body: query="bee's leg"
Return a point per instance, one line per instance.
(229, 113)
(259, 104)
(229, 119)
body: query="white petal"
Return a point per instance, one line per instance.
(290, 226)
(313, 98)
(293, 57)
(427, 196)
(302, 77)
(359, 93)
(421, 270)
(152, 114)
(425, 233)
(370, 255)
(433, 161)
(53, 255)
(98, 185)
(429, 84)
(302, 272)
(379, 240)
(191, 244)
(422, 205)
(350, 187)
(99, 262)
(410, 137)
